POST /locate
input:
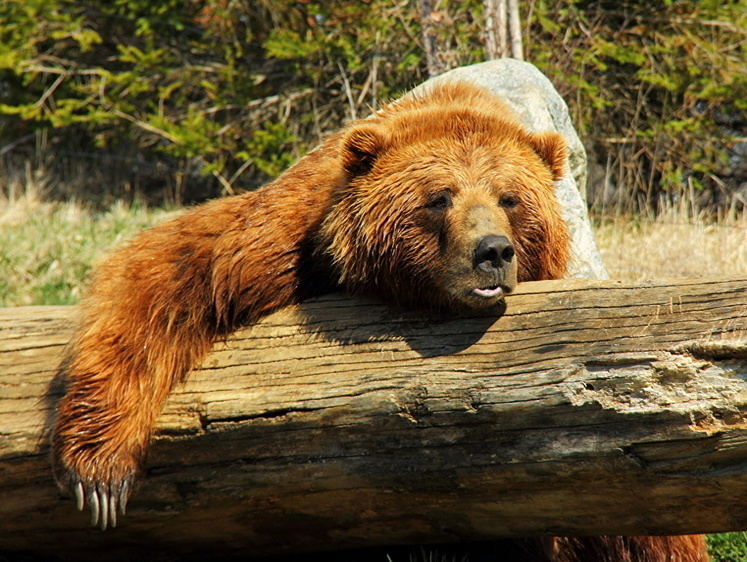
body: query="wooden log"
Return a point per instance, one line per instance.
(588, 407)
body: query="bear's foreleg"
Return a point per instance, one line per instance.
(145, 321)
(153, 311)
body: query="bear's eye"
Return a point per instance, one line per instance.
(439, 201)
(509, 201)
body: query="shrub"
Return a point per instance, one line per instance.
(200, 96)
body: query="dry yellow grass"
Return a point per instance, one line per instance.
(46, 249)
(672, 245)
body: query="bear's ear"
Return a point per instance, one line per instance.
(361, 146)
(551, 148)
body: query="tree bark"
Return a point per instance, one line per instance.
(588, 407)
(430, 47)
(514, 25)
(495, 29)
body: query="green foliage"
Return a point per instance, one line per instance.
(728, 547)
(268, 147)
(229, 91)
(232, 90)
(657, 89)
(287, 44)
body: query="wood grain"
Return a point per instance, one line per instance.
(587, 407)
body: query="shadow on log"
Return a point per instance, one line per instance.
(588, 407)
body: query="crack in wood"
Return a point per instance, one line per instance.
(210, 423)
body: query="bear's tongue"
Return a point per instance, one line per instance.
(489, 292)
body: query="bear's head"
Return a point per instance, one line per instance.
(448, 202)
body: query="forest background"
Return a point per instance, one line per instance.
(111, 111)
(180, 100)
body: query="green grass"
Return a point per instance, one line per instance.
(728, 547)
(47, 249)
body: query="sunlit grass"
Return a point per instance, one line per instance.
(47, 249)
(728, 547)
(672, 245)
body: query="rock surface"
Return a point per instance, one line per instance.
(536, 102)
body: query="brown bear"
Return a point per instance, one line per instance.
(441, 200)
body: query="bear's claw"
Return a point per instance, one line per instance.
(79, 499)
(103, 499)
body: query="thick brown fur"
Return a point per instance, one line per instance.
(679, 548)
(441, 200)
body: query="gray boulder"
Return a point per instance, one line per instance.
(536, 102)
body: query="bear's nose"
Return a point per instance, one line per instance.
(493, 252)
